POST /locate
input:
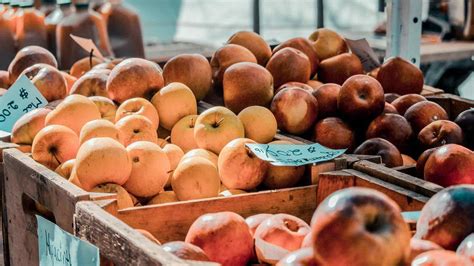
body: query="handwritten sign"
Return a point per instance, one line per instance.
(58, 247)
(20, 98)
(293, 155)
(366, 54)
(88, 45)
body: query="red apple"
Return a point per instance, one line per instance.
(440, 258)
(391, 156)
(439, 133)
(327, 95)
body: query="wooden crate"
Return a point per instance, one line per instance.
(171, 221)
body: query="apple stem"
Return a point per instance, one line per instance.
(191, 125)
(170, 171)
(90, 58)
(167, 138)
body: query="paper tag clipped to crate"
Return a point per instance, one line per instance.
(58, 247)
(294, 154)
(88, 45)
(366, 54)
(19, 99)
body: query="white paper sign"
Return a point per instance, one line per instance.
(294, 154)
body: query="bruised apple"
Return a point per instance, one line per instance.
(224, 237)
(423, 113)
(357, 221)
(279, 235)
(53, 145)
(440, 132)
(239, 168)
(295, 110)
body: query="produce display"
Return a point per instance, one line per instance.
(363, 223)
(125, 126)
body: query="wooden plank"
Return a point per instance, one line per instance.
(429, 90)
(406, 199)
(397, 178)
(171, 221)
(25, 182)
(453, 104)
(118, 242)
(331, 182)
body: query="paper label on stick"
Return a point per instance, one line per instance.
(294, 154)
(19, 99)
(366, 54)
(58, 247)
(88, 45)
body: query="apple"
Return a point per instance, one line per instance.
(423, 113)
(224, 237)
(315, 84)
(334, 133)
(231, 192)
(300, 257)
(182, 133)
(289, 64)
(174, 102)
(209, 155)
(408, 160)
(136, 128)
(106, 106)
(305, 46)
(339, 68)
(419, 246)
(255, 220)
(74, 112)
(185, 251)
(440, 132)
(259, 123)
(400, 76)
(48, 80)
(81, 66)
(246, 84)
(328, 43)
(123, 198)
(92, 84)
(279, 235)
(27, 57)
(99, 161)
(466, 248)
(150, 169)
(195, 178)
(70, 80)
(193, 70)
(402, 103)
(99, 128)
(65, 169)
(446, 219)
(4, 79)
(175, 154)
(239, 168)
(148, 235)
(392, 127)
(466, 121)
(53, 145)
(138, 106)
(327, 95)
(134, 77)
(361, 98)
(360, 221)
(440, 258)
(226, 56)
(25, 129)
(421, 162)
(295, 110)
(295, 84)
(391, 156)
(390, 97)
(254, 43)
(216, 127)
(389, 109)
(163, 197)
(450, 165)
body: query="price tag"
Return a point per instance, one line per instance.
(294, 154)
(366, 54)
(58, 247)
(88, 45)
(20, 98)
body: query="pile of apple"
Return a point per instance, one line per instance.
(102, 134)
(317, 89)
(354, 226)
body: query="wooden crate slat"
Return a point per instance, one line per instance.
(118, 242)
(169, 222)
(398, 178)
